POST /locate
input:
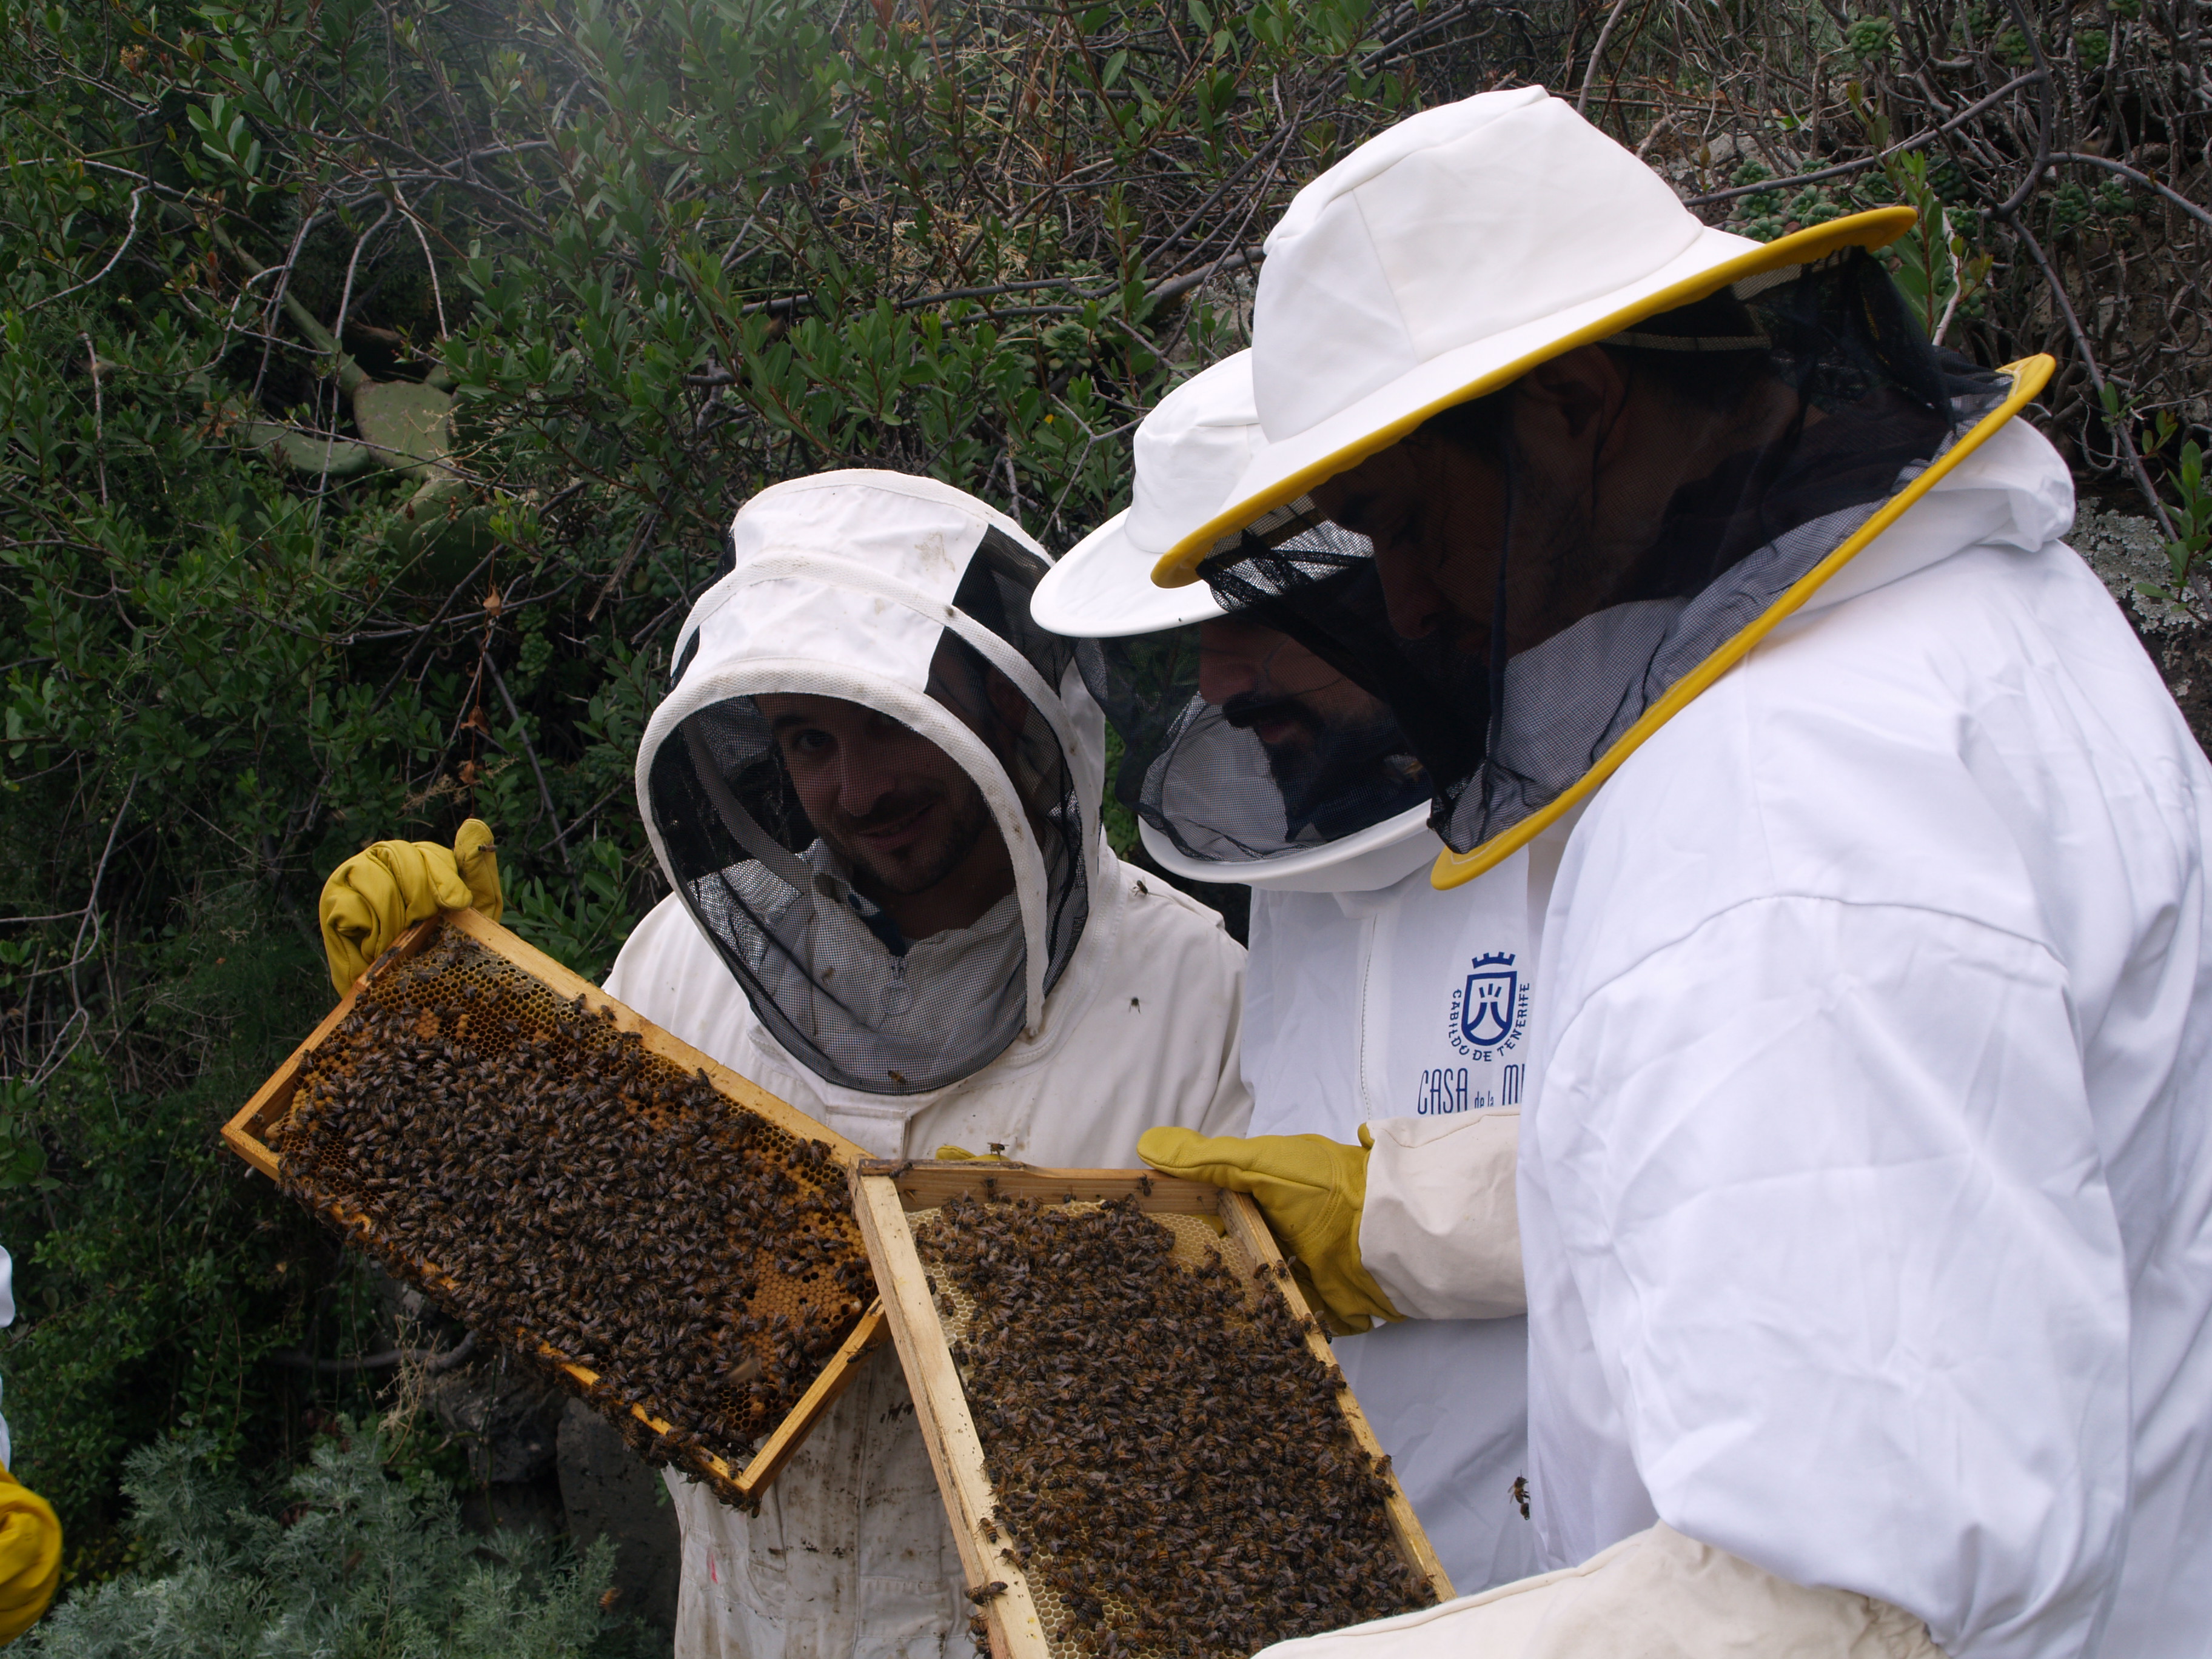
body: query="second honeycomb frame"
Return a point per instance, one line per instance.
(885, 1191)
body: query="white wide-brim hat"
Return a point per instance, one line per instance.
(1187, 455)
(1446, 258)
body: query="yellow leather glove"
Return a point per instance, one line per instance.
(1310, 1188)
(381, 891)
(961, 1155)
(30, 1557)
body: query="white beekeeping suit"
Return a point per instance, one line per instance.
(1866, 1174)
(1358, 1011)
(1368, 994)
(1887, 1273)
(1080, 1006)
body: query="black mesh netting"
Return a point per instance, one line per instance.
(790, 908)
(1240, 744)
(1525, 573)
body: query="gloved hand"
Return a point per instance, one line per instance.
(30, 1557)
(960, 1154)
(379, 892)
(1311, 1190)
(1655, 1594)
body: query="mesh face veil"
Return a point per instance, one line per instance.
(865, 720)
(1246, 757)
(1524, 574)
(1249, 757)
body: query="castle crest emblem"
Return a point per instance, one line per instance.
(1489, 1011)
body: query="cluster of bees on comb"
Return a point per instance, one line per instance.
(553, 1183)
(1168, 1457)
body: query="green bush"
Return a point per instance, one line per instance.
(362, 1562)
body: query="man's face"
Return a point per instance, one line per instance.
(1266, 681)
(900, 811)
(1435, 514)
(1435, 510)
(1323, 733)
(1593, 456)
(1597, 456)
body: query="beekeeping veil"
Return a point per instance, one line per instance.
(1338, 803)
(1533, 553)
(911, 600)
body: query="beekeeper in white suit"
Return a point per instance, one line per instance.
(874, 788)
(1865, 1191)
(1248, 758)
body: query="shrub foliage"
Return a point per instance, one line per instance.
(362, 1561)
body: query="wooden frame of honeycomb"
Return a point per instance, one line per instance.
(250, 1133)
(888, 1193)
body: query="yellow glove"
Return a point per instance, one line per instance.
(1311, 1190)
(30, 1557)
(378, 893)
(960, 1154)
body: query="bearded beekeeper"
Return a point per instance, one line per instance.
(1248, 758)
(1865, 1196)
(874, 788)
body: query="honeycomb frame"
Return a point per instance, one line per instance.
(250, 1131)
(889, 1196)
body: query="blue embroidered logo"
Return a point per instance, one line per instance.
(1486, 1009)
(1490, 1012)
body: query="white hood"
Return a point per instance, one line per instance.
(844, 585)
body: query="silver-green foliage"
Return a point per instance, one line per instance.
(364, 1563)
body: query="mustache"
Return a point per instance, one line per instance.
(1248, 709)
(890, 810)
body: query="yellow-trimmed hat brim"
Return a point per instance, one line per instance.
(1284, 471)
(2029, 376)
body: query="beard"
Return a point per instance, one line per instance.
(1582, 569)
(1335, 775)
(961, 819)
